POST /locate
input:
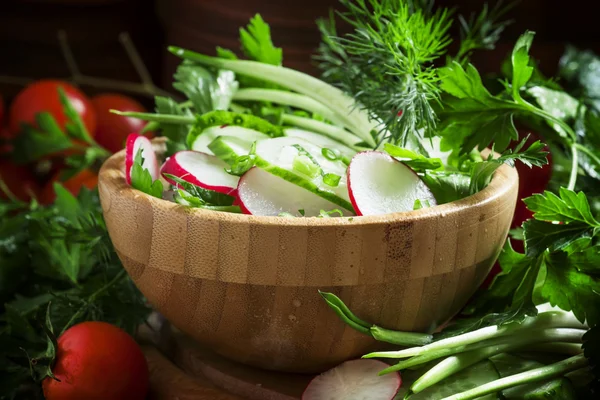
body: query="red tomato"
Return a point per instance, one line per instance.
(43, 96)
(113, 129)
(19, 180)
(97, 361)
(85, 178)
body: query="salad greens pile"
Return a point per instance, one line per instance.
(393, 84)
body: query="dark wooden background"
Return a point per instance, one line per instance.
(29, 46)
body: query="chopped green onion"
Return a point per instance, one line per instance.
(332, 180)
(331, 154)
(304, 165)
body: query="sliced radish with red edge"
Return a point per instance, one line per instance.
(379, 184)
(134, 143)
(200, 169)
(354, 380)
(262, 193)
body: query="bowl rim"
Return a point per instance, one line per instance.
(112, 173)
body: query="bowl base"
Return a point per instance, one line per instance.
(248, 382)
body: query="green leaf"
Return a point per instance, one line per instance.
(447, 188)
(482, 172)
(540, 235)
(415, 161)
(226, 54)
(66, 204)
(207, 92)
(464, 84)
(586, 260)
(522, 71)
(257, 44)
(568, 208)
(35, 143)
(142, 180)
(582, 68)
(570, 289)
(175, 133)
(203, 196)
(513, 287)
(74, 126)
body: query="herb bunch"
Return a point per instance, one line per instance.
(57, 268)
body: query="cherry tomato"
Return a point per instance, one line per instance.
(43, 96)
(113, 129)
(85, 178)
(97, 361)
(19, 180)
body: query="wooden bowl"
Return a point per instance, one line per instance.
(246, 286)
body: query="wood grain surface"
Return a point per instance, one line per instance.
(247, 286)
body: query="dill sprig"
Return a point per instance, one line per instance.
(482, 31)
(386, 63)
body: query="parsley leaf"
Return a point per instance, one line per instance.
(569, 207)
(571, 289)
(582, 69)
(446, 187)
(521, 71)
(175, 133)
(540, 235)
(142, 180)
(74, 126)
(35, 143)
(471, 117)
(513, 288)
(257, 44)
(207, 92)
(482, 172)
(203, 196)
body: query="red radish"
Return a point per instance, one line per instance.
(262, 193)
(136, 142)
(201, 169)
(380, 184)
(354, 380)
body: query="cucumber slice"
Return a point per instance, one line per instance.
(262, 193)
(477, 375)
(204, 138)
(280, 156)
(229, 148)
(320, 140)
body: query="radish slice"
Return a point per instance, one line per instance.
(380, 184)
(134, 143)
(200, 169)
(262, 193)
(354, 380)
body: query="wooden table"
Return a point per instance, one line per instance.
(182, 370)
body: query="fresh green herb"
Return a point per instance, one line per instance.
(59, 268)
(447, 187)
(332, 180)
(386, 62)
(415, 161)
(331, 154)
(199, 197)
(482, 172)
(175, 133)
(257, 44)
(302, 212)
(206, 91)
(421, 204)
(483, 31)
(329, 214)
(142, 180)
